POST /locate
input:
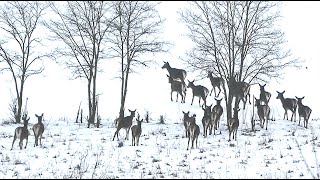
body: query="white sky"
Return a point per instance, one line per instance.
(57, 96)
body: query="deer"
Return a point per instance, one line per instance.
(216, 82)
(38, 130)
(239, 90)
(264, 95)
(263, 112)
(125, 123)
(21, 133)
(199, 91)
(304, 111)
(136, 132)
(179, 87)
(233, 124)
(193, 130)
(288, 104)
(206, 120)
(217, 111)
(185, 117)
(174, 72)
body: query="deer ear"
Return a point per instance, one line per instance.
(36, 115)
(42, 114)
(302, 97)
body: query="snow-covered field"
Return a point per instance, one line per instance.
(71, 150)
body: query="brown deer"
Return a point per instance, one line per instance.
(136, 131)
(194, 131)
(263, 112)
(206, 120)
(174, 72)
(125, 123)
(185, 117)
(217, 111)
(216, 82)
(22, 133)
(233, 124)
(304, 111)
(199, 91)
(38, 130)
(288, 104)
(240, 90)
(179, 87)
(264, 95)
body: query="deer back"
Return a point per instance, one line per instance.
(126, 122)
(39, 127)
(174, 72)
(136, 129)
(198, 90)
(303, 110)
(287, 103)
(22, 132)
(177, 86)
(215, 81)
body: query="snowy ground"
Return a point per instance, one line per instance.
(71, 150)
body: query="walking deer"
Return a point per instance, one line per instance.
(193, 130)
(22, 133)
(217, 111)
(264, 95)
(216, 82)
(185, 117)
(239, 90)
(206, 120)
(38, 130)
(263, 112)
(233, 124)
(174, 72)
(179, 87)
(288, 104)
(136, 131)
(125, 123)
(199, 91)
(304, 111)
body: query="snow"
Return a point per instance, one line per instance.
(71, 150)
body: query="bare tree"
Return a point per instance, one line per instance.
(19, 44)
(82, 26)
(135, 32)
(236, 39)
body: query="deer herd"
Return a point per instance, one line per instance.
(211, 115)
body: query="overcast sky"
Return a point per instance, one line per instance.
(57, 96)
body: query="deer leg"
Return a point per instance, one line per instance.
(26, 142)
(40, 137)
(177, 97)
(171, 96)
(199, 101)
(211, 91)
(192, 99)
(138, 140)
(14, 139)
(188, 142)
(20, 144)
(116, 133)
(219, 90)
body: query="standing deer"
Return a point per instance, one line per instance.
(194, 131)
(199, 91)
(136, 131)
(22, 133)
(239, 90)
(263, 112)
(125, 123)
(38, 130)
(174, 72)
(206, 120)
(216, 82)
(233, 124)
(288, 104)
(304, 111)
(185, 117)
(217, 111)
(264, 95)
(179, 87)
